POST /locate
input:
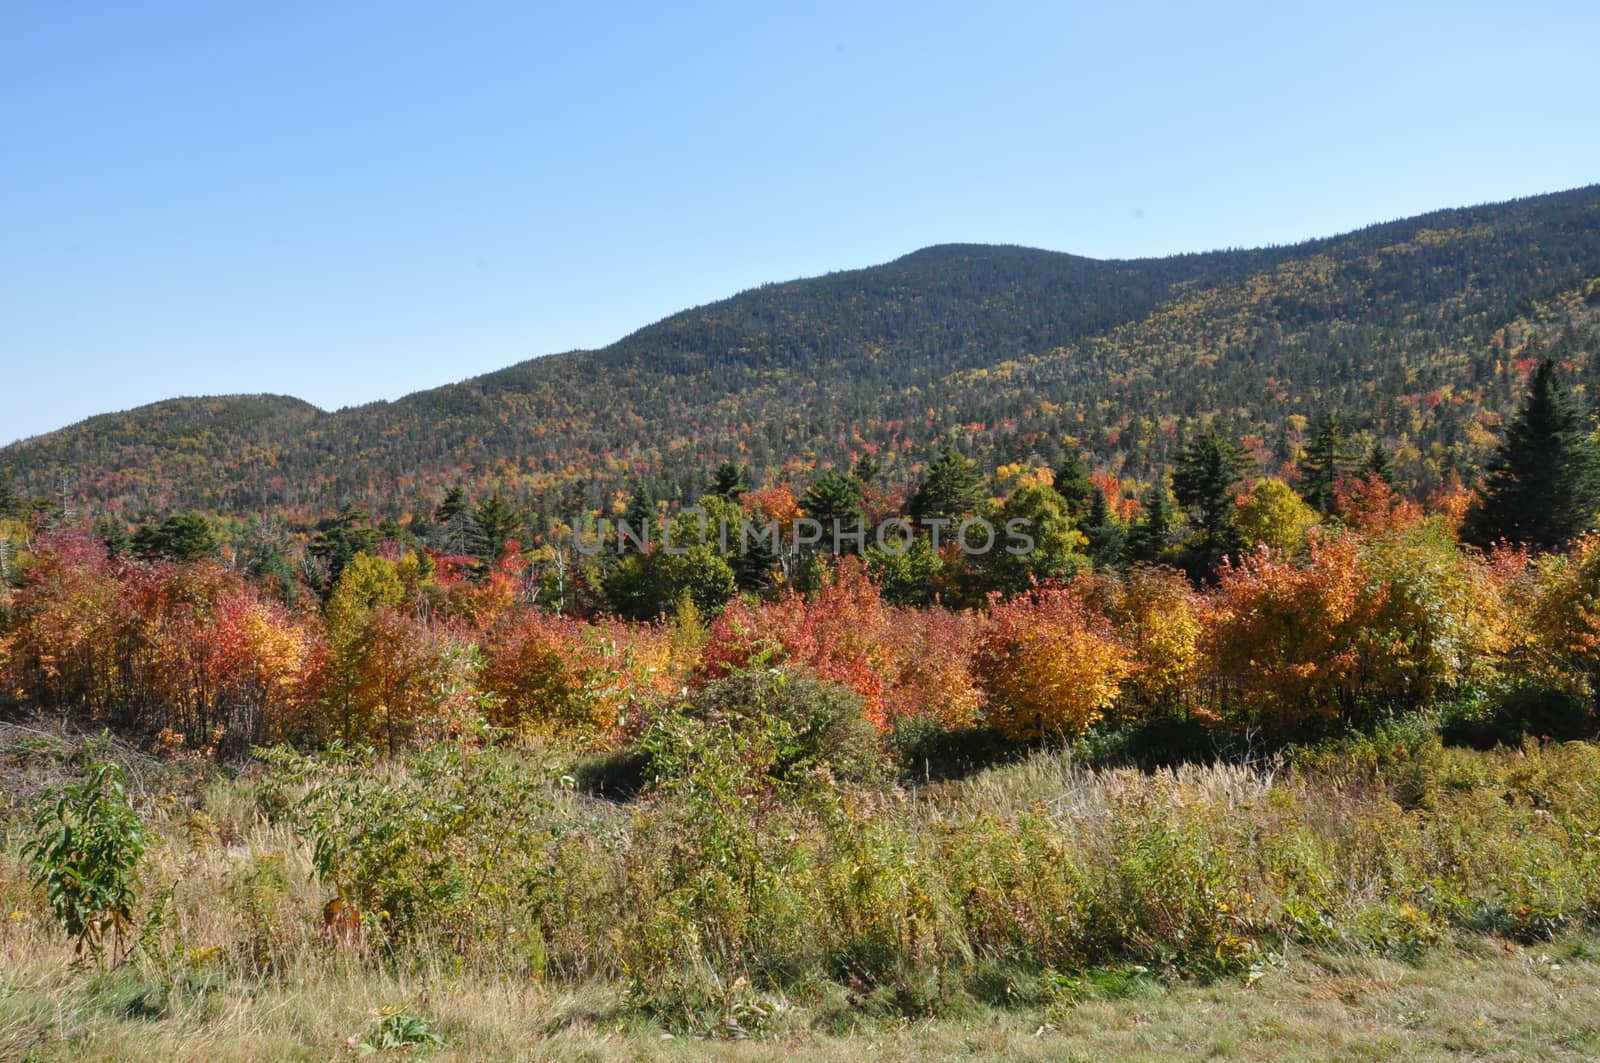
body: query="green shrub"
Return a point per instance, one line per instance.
(85, 854)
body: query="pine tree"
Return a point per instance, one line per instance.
(834, 497)
(453, 518)
(729, 481)
(1380, 464)
(1106, 534)
(494, 524)
(866, 470)
(1072, 483)
(11, 501)
(1208, 468)
(1149, 538)
(1540, 488)
(1326, 459)
(952, 489)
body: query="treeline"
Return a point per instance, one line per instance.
(1289, 619)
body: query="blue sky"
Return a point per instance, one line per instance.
(348, 201)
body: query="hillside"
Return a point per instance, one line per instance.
(1420, 331)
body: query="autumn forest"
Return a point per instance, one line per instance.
(1301, 656)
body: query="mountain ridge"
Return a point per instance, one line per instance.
(1009, 350)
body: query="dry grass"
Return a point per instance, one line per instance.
(1482, 998)
(245, 970)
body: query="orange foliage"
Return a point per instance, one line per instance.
(1050, 663)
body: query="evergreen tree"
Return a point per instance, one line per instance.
(866, 470)
(1106, 534)
(337, 541)
(182, 537)
(12, 504)
(1208, 468)
(834, 496)
(1149, 538)
(454, 520)
(494, 524)
(951, 489)
(1540, 488)
(1379, 464)
(640, 516)
(1326, 459)
(114, 534)
(729, 481)
(1072, 483)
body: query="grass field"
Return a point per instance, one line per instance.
(1389, 898)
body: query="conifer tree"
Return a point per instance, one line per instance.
(1540, 488)
(1150, 537)
(1326, 459)
(952, 489)
(1072, 483)
(729, 481)
(1208, 468)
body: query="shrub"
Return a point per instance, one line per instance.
(85, 854)
(798, 726)
(1050, 664)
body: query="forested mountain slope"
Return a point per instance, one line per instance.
(1420, 331)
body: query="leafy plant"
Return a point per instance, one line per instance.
(85, 855)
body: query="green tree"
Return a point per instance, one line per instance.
(494, 524)
(1274, 515)
(834, 500)
(1151, 537)
(454, 519)
(1072, 483)
(1380, 464)
(12, 504)
(1208, 468)
(866, 470)
(182, 537)
(729, 481)
(1539, 490)
(952, 489)
(338, 539)
(1057, 546)
(1326, 459)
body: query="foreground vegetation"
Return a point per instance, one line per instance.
(477, 902)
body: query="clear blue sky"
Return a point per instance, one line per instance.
(347, 201)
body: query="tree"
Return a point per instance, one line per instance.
(454, 519)
(1208, 468)
(1050, 665)
(952, 489)
(181, 537)
(494, 524)
(1540, 488)
(12, 504)
(1326, 459)
(1273, 515)
(1107, 536)
(1149, 539)
(1380, 464)
(834, 501)
(85, 856)
(1057, 548)
(729, 481)
(339, 539)
(1076, 489)
(866, 470)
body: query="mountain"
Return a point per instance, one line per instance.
(1419, 331)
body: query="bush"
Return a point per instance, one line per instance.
(85, 856)
(805, 726)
